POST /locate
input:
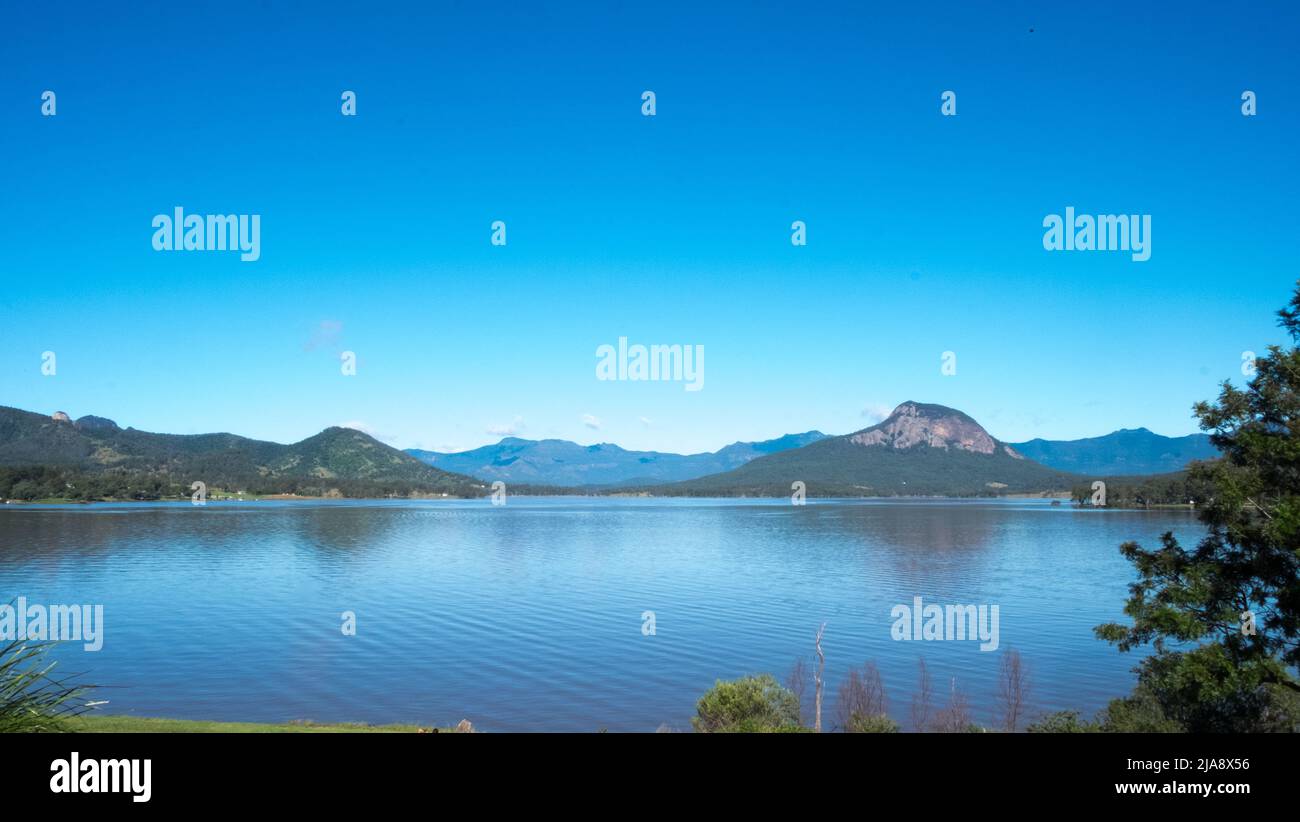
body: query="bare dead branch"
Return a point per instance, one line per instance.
(921, 699)
(1013, 690)
(797, 682)
(819, 678)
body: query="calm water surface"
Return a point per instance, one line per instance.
(528, 616)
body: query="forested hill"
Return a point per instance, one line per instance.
(101, 458)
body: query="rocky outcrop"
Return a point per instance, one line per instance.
(913, 424)
(93, 423)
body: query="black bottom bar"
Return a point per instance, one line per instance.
(329, 771)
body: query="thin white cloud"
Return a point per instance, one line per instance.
(449, 448)
(874, 412)
(509, 430)
(591, 422)
(646, 421)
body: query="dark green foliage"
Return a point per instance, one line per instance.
(1203, 691)
(1063, 722)
(48, 482)
(1190, 604)
(863, 724)
(1178, 488)
(1139, 713)
(751, 704)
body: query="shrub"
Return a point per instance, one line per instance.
(865, 724)
(1063, 722)
(751, 704)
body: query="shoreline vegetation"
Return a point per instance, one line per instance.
(1180, 490)
(1056, 497)
(128, 724)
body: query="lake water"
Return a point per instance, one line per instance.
(529, 616)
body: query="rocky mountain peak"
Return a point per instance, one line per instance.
(936, 426)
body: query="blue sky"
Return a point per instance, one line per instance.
(924, 231)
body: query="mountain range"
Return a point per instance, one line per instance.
(567, 464)
(560, 463)
(1127, 452)
(335, 462)
(919, 449)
